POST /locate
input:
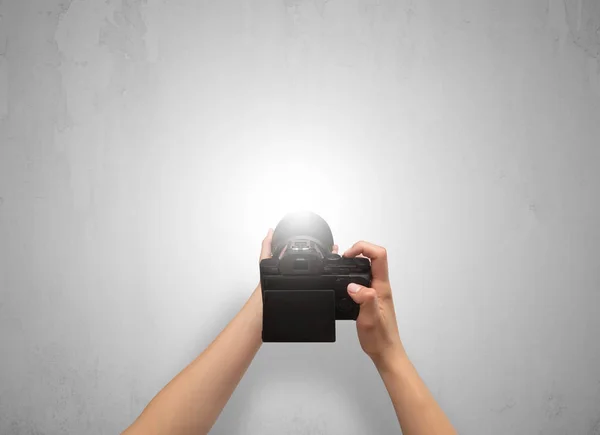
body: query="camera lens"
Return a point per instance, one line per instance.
(302, 224)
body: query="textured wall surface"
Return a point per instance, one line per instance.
(146, 146)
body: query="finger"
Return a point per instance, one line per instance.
(366, 297)
(335, 249)
(265, 251)
(377, 254)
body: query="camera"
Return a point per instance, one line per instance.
(304, 285)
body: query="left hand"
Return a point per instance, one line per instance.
(265, 251)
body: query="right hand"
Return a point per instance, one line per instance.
(376, 323)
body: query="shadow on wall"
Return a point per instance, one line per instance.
(340, 367)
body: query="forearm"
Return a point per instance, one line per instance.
(417, 410)
(193, 400)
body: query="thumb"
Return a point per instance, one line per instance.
(366, 297)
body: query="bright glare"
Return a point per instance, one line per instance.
(271, 180)
(294, 186)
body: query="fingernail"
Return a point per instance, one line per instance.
(354, 288)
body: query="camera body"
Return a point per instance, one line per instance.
(304, 285)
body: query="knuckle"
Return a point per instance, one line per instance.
(360, 243)
(370, 294)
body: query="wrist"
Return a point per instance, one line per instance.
(254, 304)
(391, 359)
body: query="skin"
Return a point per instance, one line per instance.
(417, 411)
(193, 400)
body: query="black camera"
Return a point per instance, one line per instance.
(304, 285)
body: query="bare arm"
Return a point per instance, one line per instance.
(194, 399)
(417, 411)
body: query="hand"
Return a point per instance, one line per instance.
(265, 251)
(376, 324)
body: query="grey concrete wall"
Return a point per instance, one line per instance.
(146, 146)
